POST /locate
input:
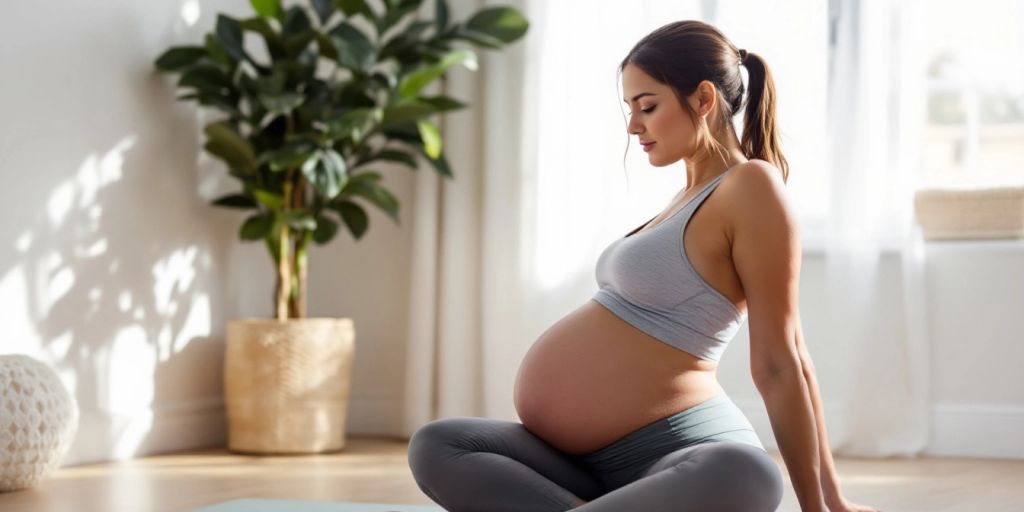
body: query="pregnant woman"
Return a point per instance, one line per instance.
(620, 407)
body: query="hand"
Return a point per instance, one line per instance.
(842, 505)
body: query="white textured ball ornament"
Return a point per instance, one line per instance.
(38, 421)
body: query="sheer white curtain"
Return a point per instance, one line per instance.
(876, 116)
(542, 185)
(508, 247)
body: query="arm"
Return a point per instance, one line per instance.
(766, 254)
(829, 477)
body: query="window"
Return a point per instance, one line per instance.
(974, 136)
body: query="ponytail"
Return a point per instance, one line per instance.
(760, 130)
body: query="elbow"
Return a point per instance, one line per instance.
(785, 367)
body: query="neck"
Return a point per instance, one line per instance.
(708, 166)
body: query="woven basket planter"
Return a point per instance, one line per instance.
(286, 384)
(982, 213)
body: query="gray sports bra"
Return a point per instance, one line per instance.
(648, 281)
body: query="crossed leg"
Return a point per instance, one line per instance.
(709, 477)
(470, 464)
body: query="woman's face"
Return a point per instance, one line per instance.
(657, 116)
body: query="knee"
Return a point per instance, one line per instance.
(758, 483)
(435, 441)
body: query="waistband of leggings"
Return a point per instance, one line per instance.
(716, 417)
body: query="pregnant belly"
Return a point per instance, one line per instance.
(592, 378)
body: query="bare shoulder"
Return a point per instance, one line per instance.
(757, 193)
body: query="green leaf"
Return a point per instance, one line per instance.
(478, 38)
(295, 21)
(376, 194)
(295, 44)
(216, 49)
(335, 173)
(431, 136)
(355, 51)
(354, 216)
(355, 124)
(441, 14)
(443, 103)
(282, 103)
(229, 34)
(392, 155)
(504, 23)
(324, 9)
(326, 46)
(256, 227)
(413, 83)
(289, 155)
(441, 163)
(300, 220)
(273, 84)
(272, 200)
(179, 57)
(394, 15)
(406, 110)
(266, 8)
(206, 78)
(275, 45)
(325, 230)
(235, 201)
(225, 143)
(354, 7)
(326, 171)
(223, 103)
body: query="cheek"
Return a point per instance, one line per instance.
(680, 133)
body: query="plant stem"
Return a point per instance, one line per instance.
(284, 259)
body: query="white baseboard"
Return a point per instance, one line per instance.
(992, 432)
(970, 431)
(103, 436)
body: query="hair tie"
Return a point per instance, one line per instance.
(743, 56)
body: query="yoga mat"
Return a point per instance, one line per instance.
(253, 505)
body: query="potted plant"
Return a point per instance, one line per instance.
(301, 130)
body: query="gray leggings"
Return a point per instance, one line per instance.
(706, 458)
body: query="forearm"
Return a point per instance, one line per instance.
(790, 411)
(829, 476)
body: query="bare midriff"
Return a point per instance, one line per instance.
(592, 378)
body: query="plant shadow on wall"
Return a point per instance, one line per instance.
(121, 302)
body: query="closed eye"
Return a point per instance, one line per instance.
(645, 111)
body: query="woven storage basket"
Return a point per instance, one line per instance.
(981, 213)
(286, 384)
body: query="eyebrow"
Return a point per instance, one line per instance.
(641, 95)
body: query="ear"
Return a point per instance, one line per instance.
(703, 98)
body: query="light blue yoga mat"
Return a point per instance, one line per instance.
(312, 506)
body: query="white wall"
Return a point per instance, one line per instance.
(114, 268)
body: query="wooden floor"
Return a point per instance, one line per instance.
(375, 470)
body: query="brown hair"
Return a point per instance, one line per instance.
(684, 53)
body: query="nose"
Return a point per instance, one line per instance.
(634, 127)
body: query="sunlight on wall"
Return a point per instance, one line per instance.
(19, 337)
(190, 12)
(126, 394)
(174, 276)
